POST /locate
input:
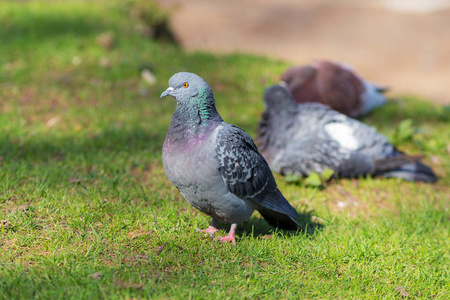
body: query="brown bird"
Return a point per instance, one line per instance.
(335, 85)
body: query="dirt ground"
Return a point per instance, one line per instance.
(405, 47)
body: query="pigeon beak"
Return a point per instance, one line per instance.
(167, 92)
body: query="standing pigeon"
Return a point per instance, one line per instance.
(335, 85)
(216, 166)
(300, 138)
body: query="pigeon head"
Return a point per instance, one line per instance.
(194, 98)
(188, 87)
(277, 97)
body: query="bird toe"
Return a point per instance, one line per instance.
(210, 230)
(226, 239)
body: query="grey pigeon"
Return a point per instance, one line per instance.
(300, 138)
(216, 166)
(335, 85)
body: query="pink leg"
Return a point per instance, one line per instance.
(211, 229)
(230, 237)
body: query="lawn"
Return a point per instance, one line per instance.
(86, 211)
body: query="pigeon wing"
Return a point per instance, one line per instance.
(310, 154)
(247, 175)
(246, 172)
(243, 169)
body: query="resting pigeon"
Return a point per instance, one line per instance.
(335, 85)
(216, 166)
(300, 138)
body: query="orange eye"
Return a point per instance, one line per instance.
(185, 85)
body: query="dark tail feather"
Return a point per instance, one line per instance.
(279, 220)
(406, 167)
(393, 162)
(413, 171)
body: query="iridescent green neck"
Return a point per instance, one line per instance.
(205, 105)
(197, 111)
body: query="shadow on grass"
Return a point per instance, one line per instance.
(38, 149)
(259, 228)
(41, 26)
(25, 23)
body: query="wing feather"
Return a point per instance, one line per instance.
(247, 175)
(243, 169)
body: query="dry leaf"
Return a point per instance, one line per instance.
(402, 292)
(104, 62)
(96, 275)
(148, 76)
(106, 40)
(22, 208)
(128, 284)
(53, 121)
(133, 235)
(161, 248)
(435, 160)
(74, 180)
(76, 60)
(5, 223)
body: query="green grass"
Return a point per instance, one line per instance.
(86, 210)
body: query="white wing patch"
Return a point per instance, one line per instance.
(343, 134)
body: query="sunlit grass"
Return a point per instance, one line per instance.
(86, 210)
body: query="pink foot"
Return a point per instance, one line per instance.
(228, 238)
(210, 230)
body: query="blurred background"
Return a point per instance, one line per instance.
(404, 44)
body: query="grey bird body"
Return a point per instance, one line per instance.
(303, 138)
(199, 180)
(216, 166)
